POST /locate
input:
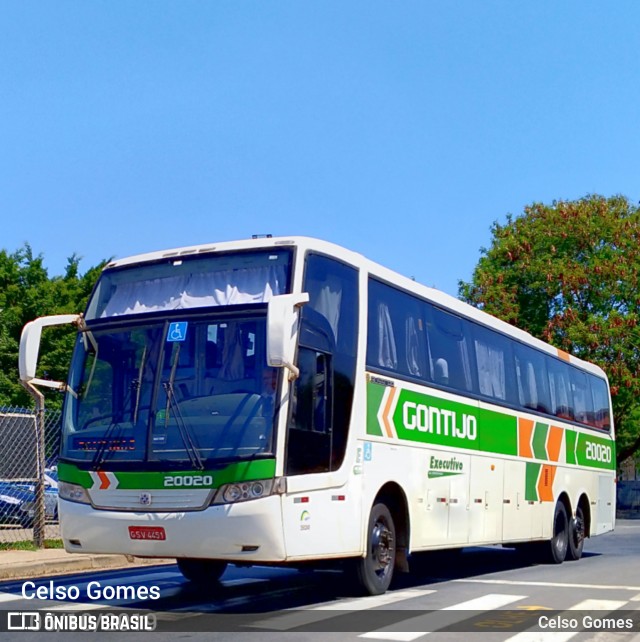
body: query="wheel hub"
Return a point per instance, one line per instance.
(382, 546)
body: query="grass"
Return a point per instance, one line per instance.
(29, 545)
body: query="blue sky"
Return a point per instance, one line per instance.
(400, 129)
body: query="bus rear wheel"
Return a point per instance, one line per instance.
(576, 535)
(201, 572)
(555, 550)
(375, 571)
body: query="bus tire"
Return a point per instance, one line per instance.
(374, 571)
(555, 550)
(576, 535)
(201, 572)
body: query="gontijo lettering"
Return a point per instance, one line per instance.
(439, 421)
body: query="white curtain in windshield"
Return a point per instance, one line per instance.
(230, 287)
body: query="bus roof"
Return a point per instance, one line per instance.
(308, 243)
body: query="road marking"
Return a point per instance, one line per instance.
(372, 601)
(635, 598)
(296, 617)
(484, 603)
(398, 636)
(563, 636)
(598, 605)
(540, 636)
(604, 587)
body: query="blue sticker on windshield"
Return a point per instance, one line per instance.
(177, 331)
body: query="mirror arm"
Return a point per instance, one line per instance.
(294, 371)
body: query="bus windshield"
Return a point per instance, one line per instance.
(180, 283)
(180, 390)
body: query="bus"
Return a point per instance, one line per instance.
(285, 401)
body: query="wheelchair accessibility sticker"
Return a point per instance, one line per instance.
(177, 331)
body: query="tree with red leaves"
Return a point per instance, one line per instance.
(568, 273)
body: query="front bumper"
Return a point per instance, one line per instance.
(244, 532)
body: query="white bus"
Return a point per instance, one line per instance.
(286, 401)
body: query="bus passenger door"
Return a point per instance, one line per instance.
(321, 509)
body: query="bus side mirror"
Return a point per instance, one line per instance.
(282, 327)
(30, 347)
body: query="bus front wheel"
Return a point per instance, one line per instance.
(375, 571)
(201, 572)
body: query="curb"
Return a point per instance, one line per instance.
(73, 564)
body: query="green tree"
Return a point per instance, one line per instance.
(27, 292)
(568, 273)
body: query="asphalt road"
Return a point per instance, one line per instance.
(490, 593)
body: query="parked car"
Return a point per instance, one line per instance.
(51, 477)
(18, 501)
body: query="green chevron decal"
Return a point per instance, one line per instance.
(531, 483)
(539, 443)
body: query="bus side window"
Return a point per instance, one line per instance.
(600, 394)
(494, 364)
(309, 434)
(323, 394)
(582, 399)
(532, 379)
(560, 387)
(396, 338)
(387, 352)
(449, 344)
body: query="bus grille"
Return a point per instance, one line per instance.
(152, 500)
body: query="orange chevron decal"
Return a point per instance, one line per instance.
(106, 482)
(554, 442)
(525, 430)
(545, 483)
(387, 413)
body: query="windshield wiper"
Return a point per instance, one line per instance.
(110, 433)
(137, 384)
(183, 429)
(101, 451)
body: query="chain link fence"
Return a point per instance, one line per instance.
(27, 489)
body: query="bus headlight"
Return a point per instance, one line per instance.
(73, 493)
(244, 491)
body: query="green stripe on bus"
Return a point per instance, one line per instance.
(236, 472)
(595, 451)
(73, 475)
(432, 420)
(374, 400)
(423, 418)
(498, 432)
(570, 445)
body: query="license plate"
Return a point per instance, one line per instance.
(147, 532)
